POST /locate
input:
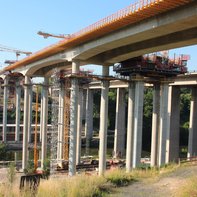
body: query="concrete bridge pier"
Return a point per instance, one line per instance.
(164, 123)
(130, 123)
(43, 125)
(155, 125)
(30, 115)
(5, 106)
(27, 86)
(41, 113)
(173, 135)
(79, 126)
(18, 110)
(103, 122)
(119, 135)
(192, 143)
(73, 119)
(89, 119)
(84, 104)
(134, 125)
(61, 122)
(138, 122)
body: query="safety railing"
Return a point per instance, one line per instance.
(133, 8)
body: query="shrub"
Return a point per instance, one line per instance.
(119, 177)
(30, 167)
(2, 151)
(46, 167)
(11, 173)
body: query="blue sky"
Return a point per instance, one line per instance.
(21, 20)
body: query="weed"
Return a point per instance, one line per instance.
(11, 173)
(119, 177)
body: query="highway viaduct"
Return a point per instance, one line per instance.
(144, 27)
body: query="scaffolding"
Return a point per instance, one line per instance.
(66, 118)
(53, 138)
(60, 127)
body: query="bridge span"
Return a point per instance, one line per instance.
(144, 27)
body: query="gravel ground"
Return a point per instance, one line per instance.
(165, 186)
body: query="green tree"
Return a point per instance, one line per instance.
(185, 99)
(112, 109)
(96, 109)
(147, 119)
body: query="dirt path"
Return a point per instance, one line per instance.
(164, 186)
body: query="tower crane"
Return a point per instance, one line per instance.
(46, 35)
(18, 52)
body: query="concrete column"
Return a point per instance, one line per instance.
(155, 124)
(0, 88)
(5, 106)
(18, 110)
(192, 144)
(119, 135)
(130, 125)
(44, 121)
(25, 121)
(89, 119)
(30, 115)
(73, 119)
(58, 125)
(173, 132)
(163, 124)
(138, 117)
(61, 123)
(41, 113)
(84, 104)
(79, 126)
(103, 122)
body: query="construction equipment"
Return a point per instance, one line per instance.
(155, 64)
(46, 35)
(10, 61)
(14, 50)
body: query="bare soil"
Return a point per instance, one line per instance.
(163, 186)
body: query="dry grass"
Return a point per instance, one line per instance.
(7, 190)
(189, 189)
(79, 186)
(169, 168)
(85, 186)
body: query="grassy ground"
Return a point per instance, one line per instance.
(95, 186)
(188, 189)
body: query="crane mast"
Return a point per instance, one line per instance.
(18, 52)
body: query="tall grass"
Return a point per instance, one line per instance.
(79, 186)
(69, 187)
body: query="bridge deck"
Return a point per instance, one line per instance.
(132, 14)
